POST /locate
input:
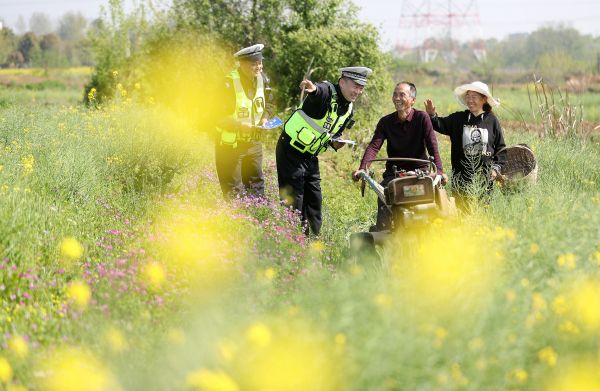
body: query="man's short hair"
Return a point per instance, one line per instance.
(413, 88)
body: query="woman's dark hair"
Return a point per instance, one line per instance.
(487, 108)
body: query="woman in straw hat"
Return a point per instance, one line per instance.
(475, 135)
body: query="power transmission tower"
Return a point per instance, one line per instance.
(435, 27)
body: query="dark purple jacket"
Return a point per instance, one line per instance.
(413, 138)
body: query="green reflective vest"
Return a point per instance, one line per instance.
(313, 135)
(247, 111)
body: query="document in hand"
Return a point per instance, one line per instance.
(272, 123)
(339, 140)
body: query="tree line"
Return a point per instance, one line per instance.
(556, 52)
(43, 45)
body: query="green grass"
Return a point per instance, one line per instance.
(189, 291)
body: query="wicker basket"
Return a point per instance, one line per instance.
(521, 165)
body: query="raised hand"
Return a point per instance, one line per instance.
(307, 86)
(429, 107)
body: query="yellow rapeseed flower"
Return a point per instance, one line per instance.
(27, 164)
(383, 300)
(548, 355)
(340, 339)
(297, 357)
(269, 273)
(71, 249)
(356, 270)
(518, 375)
(567, 261)
(258, 335)
(176, 336)
(585, 299)
(79, 293)
(503, 233)
(457, 375)
(317, 246)
(568, 327)
(6, 372)
(440, 332)
(534, 248)
(92, 94)
(577, 376)
(227, 350)
(596, 258)
(449, 276)
(559, 305)
(205, 380)
(155, 274)
(75, 370)
(18, 346)
(115, 340)
(442, 378)
(122, 91)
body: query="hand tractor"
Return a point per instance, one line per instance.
(413, 198)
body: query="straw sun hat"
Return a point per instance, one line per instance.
(476, 86)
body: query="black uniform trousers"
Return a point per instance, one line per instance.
(240, 169)
(300, 183)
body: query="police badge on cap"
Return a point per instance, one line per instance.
(251, 53)
(358, 74)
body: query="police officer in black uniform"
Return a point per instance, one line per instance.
(238, 149)
(325, 113)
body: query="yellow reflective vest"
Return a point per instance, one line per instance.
(312, 135)
(247, 111)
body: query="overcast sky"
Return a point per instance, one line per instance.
(498, 18)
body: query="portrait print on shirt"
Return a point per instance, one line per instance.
(475, 140)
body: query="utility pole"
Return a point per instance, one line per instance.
(434, 27)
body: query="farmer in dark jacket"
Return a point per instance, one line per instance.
(408, 133)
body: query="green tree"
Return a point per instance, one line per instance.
(560, 38)
(8, 43)
(334, 49)
(111, 41)
(556, 64)
(293, 32)
(29, 47)
(50, 46)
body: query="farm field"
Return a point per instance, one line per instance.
(121, 267)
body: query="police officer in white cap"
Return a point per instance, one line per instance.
(238, 148)
(325, 113)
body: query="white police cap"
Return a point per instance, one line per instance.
(251, 53)
(358, 74)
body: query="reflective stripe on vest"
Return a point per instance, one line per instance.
(313, 135)
(247, 111)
